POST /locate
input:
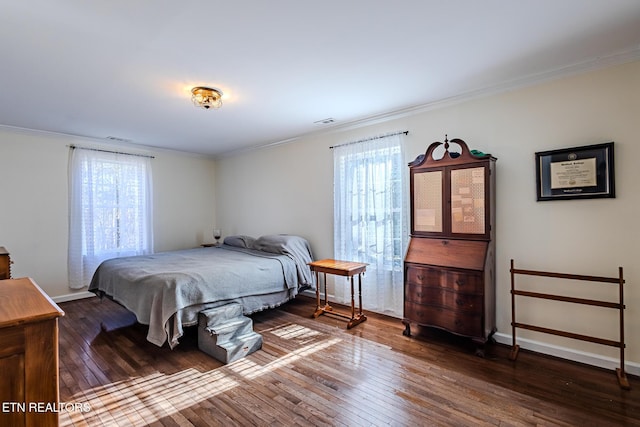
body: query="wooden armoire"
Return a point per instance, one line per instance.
(449, 267)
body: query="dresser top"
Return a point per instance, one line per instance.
(22, 301)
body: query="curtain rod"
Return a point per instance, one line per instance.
(73, 147)
(406, 132)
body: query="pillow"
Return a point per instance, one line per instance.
(239, 241)
(295, 247)
(275, 243)
(285, 244)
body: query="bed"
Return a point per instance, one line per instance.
(167, 290)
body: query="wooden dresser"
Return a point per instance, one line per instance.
(450, 263)
(5, 264)
(28, 355)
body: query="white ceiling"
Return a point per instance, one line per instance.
(124, 69)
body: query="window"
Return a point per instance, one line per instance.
(109, 210)
(370, 201)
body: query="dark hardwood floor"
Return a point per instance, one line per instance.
(315, 372)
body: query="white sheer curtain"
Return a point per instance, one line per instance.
(370, 221)
(109, 210)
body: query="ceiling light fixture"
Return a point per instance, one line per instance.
(206, 97)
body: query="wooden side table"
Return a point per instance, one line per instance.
(339, 268)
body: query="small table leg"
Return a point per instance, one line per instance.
(321, 309)
(356, 320)
(360, 293)
(353, 310)
(318, 311)
(326, 295)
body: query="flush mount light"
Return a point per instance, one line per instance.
(206, 97)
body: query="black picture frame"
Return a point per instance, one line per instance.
(585, 172)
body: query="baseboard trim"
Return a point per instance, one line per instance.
(74, 296)
(569, 354)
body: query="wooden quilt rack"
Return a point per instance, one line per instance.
(622, 377)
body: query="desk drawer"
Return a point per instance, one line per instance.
(424, 276)
(459, 281)
(469, 283)
(459, 322)
(442, 297)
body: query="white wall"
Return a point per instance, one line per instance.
(288, 189)
(34, 204)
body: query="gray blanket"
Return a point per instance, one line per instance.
(156, 288)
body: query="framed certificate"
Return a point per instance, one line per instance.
(575, 173)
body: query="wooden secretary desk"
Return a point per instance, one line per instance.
(449, 267)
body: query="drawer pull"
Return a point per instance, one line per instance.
(420, 276)
(460, 282)
(460, 301)
(419, 294)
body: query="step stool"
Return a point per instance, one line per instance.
(225, 334)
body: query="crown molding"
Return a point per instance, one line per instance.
(593, 64)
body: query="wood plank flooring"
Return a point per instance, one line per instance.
(315, 372)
